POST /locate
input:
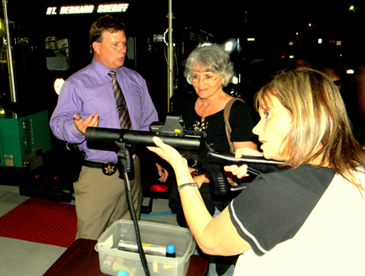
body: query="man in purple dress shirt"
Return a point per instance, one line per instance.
(87, 99)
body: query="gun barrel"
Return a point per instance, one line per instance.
(103, 135)
(140, 138)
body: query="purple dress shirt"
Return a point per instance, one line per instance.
(89, 91)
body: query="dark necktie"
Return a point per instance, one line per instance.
(124, 119)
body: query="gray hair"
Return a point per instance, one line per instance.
(213, 59)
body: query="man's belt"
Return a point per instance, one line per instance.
(107, 168)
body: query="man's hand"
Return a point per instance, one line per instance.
(81, 124)
(162, 172)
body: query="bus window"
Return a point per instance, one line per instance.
(57, 53)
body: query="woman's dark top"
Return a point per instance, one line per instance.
(241, 122)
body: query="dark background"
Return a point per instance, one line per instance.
(273, 25)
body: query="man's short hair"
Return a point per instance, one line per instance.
(104, 23)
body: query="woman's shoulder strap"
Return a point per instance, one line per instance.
(226, 112)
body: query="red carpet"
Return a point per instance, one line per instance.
(41, 221)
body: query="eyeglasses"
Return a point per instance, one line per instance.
(208, 79)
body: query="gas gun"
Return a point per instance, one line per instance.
(191, 145)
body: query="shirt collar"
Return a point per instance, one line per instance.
(100, 68)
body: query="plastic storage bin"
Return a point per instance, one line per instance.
(112, 259)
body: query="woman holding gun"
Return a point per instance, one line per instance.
(307, 219)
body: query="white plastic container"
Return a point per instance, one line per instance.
(113, 260)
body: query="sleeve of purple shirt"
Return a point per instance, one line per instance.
(89, 91)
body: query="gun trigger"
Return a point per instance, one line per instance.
(198, 171)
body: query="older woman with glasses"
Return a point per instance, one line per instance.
(307, 219)
(209, 70)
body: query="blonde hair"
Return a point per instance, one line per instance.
(321, 129)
